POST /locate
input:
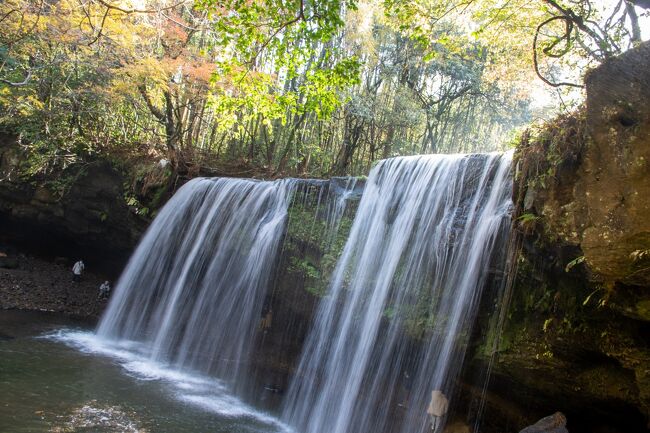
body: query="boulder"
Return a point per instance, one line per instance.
(614, 179)
(555, 423)
(576, 333)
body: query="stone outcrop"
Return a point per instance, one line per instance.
(555, 423)
(576, 334)
(614, 178)
(593, 190)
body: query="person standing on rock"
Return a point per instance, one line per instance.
(77, 270)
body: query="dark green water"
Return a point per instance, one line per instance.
(70, 383)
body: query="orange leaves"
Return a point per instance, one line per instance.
(174, 37)
(186, 69)
(201, 72)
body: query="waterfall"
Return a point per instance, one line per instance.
(320, 216)
(193, 291)
(343, 190)
(395, 322)
(198, 293)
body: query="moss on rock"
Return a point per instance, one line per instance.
(576, 334)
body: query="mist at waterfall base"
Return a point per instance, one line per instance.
(393, 326)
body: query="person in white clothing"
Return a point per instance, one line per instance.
(77, 270)
(104, 290)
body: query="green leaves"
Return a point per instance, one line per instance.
(275, 29)
(323, 87)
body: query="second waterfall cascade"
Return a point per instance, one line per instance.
(403, 298)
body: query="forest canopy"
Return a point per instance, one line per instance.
(299, 87)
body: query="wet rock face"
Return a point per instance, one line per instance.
(577, 334)
(614, 183)
(313, 241)
(87, 217)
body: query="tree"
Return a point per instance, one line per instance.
(298, 87)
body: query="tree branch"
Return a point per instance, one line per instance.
(138, 11)
(536, 61)
(299, 17)
(158, 114)
(568, 14)
(101, 27)
(22, 83)
(634, 21)
(640, 3)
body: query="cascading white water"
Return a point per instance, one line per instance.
(416, 259)
(336, 206)
(414, 265)
(194, 289)
(331, 203)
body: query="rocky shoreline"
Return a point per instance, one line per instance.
(35, 284)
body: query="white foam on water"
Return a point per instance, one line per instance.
(93, 415)
(203, 392)
(229, 407)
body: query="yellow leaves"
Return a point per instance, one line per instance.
(165, 73)
(21, 104)
(38, 26)
(150, 70)
(360, 26)
(19, 19)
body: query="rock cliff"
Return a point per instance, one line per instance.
(82, 212)
(576, 337)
